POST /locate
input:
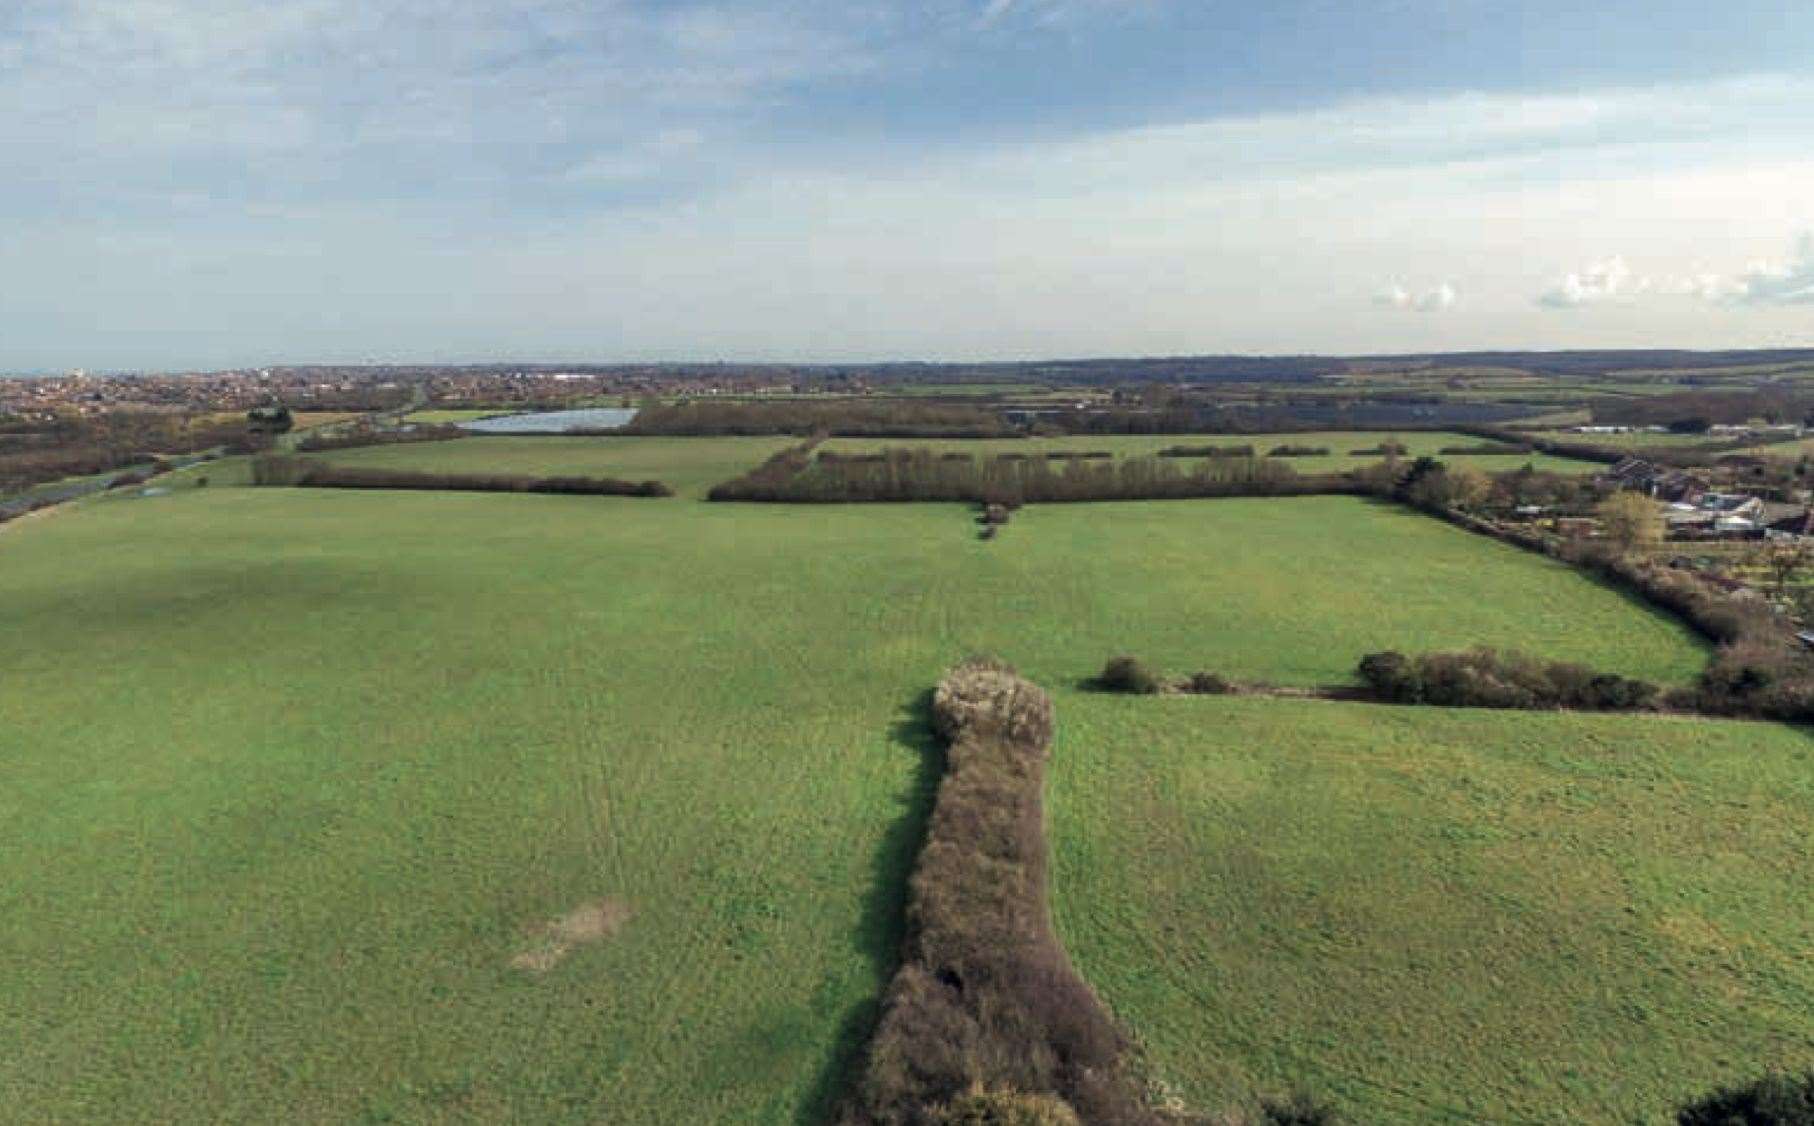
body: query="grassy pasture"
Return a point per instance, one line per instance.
(289, 777)
(1440, 916)
(1339, 442)
(690, 465)
(1637, 440)
(455, 415)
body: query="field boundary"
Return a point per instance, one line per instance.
(986, 1018)
(298, 473)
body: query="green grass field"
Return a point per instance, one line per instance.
(449, 416)
(1440, 916)
(1637, 440)
(289, 777)
(1340, 444)
(689, 465)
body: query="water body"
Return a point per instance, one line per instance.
(553, 422)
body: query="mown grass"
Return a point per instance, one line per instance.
(1439, 916)
(1340, 444)
(288, 777)
(689, 465)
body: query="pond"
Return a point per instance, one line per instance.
(553, 422)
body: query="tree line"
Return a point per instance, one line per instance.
(843, 418)
(910, 475)
(298, 472)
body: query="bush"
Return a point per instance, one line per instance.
(1298, 451)
(1128, 674)
(1209, 684)
(1301, 1109)
(1775, 1100)
(1391, 677)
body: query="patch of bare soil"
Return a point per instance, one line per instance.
(550, 942)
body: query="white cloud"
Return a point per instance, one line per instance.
(1787, 283)
(1436, 299)
(1609, 280)
(1761, 284)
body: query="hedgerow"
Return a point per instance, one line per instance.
(307, 474)
(986, 1021)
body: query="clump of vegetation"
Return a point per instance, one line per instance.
(1384, 449)
(1129, 675)
(1774, 1100)
(769, 481)
(1487, 678)
(986, 1021)
(1288, 450)
(1630, 521)
(1301, 1108)
(1209, 684)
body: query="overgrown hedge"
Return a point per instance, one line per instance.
(307, 474)
(986, 1020)
(1488, 678)
(1289, 450)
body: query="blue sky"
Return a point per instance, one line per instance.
(218, 182)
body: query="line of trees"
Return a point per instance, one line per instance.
(363, 433)
(1759, 669)
(844, 418)
(290, 471)
(908, 475)
(78, 445)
